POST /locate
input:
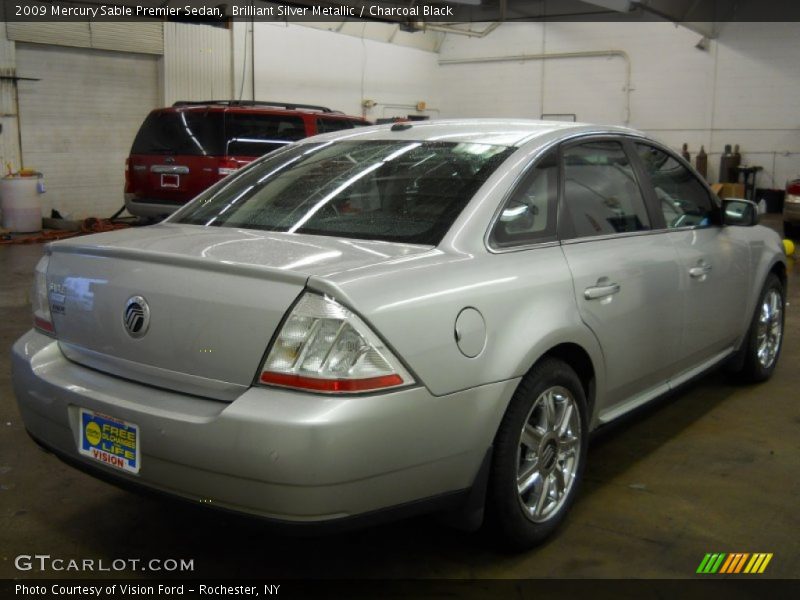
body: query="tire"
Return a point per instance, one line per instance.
(765, 336)
(539, 456)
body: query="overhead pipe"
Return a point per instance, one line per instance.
(455, 30)
(557, 55)
(406, 106)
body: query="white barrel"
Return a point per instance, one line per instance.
(21, 204)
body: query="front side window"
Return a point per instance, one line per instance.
(387, 190)
(529, 214)
(683, 200)
(601, 193)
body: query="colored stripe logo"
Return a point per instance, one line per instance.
(734, 563)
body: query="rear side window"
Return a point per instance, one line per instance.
(250, 134)
(192, 132)
(601, 193)
(529, 214)
(683, 200)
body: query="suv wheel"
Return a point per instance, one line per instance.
(539, 455)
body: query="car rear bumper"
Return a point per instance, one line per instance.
(274, 453)
(791, 212)
(149, 207)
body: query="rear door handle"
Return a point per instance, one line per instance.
(699, 271)
(601, 291)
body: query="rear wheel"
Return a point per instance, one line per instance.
(539, 455)
(764, 339)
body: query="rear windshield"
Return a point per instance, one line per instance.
(379, 190)
(216, 133)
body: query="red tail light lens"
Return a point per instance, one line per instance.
(127, 175)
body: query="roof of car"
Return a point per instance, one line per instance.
(505, 132)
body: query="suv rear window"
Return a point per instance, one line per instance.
(327, 125)
(385, 190)
(216, 133)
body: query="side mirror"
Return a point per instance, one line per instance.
(739, 212)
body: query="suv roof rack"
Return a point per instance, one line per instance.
(285, 105)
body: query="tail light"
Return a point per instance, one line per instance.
(793, 192)
(324, 347)
(127, 175)
(39, 299)
(227, 166)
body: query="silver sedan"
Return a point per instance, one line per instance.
(398, 319)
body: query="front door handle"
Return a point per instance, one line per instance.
(601, 291)
(700, 271)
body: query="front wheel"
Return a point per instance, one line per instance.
(539, 455)
(764, 339)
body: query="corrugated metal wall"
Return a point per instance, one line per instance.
(197, 62)
(143, 37)
(9, 137)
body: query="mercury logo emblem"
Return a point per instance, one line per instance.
(136, 317)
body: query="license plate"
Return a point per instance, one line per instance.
(169, 180)
(111, 441)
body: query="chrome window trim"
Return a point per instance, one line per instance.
(520, 248)
(615, 236)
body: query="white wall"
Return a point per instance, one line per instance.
(302, 64)
(743, 90)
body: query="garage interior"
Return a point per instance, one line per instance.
(712, 467)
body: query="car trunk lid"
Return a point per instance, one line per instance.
(212, 299)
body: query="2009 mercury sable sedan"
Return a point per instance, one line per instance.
(398, 318)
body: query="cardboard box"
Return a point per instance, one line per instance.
(728, 190)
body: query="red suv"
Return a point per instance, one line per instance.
(183, 149)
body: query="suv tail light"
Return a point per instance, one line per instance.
(127, 175)
(227, 166)
(39, 299)
(324, 347)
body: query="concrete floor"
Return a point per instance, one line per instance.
(714, 468)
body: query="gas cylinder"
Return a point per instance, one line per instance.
(737, 160)
(725, 164)
(701, 162)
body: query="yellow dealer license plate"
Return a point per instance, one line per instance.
(111, 441)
